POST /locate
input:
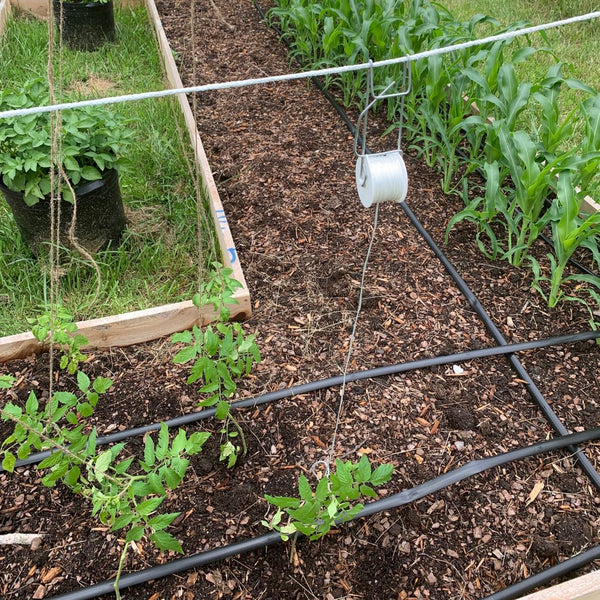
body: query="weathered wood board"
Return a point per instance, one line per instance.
(586, 587)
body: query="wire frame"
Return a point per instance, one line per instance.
(371, 98)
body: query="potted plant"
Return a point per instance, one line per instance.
(85, 24)
(92, 143)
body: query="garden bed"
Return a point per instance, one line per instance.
(284, 167)
(149, 323)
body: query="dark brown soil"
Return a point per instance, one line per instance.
(284, 164)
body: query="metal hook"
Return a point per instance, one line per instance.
(371, 98)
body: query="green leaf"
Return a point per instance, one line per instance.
(141, 488)
(149, 454)
(135, 534)
(149, 506)
(171, 477)
(72, 418)
(9, 461)
(91, 443)
(162, 521)
(178, 444)
(72, 477)
(85, 409)
(196, 441)
(52, 477)
(365, 490)
(122, 521)
(382, 474)
(155, 482)
(32, 404)
(184, 337)
(123, 466)
(185, 355)
(83, 381)
(11, 410)
(102, 463)
(70, 163)
(343, 472)
(363, 473)
(322, 490)
(304, 489)
(6, 381)
(90, 173)
(222, 410)
(102, 384)
(165, 541)
(163, 442)
(51, 461)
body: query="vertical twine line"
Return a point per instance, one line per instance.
(351, 342)
(54, 124)
(194, 135)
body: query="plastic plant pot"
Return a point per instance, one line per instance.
(85, 25)
(100, 215)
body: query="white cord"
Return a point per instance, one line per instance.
(302, 75)
(351, 343)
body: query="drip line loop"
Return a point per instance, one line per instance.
(323, 463)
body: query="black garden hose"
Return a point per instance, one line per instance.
(385, 504)
(322, 384)
(559, 570)
(549, 414)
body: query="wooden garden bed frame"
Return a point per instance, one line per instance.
(586, 587)
(152, 323)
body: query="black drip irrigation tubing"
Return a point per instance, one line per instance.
(306, 388)
(549, 414)
(385, 504)
(564, 568)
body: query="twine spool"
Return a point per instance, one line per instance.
(381, 178)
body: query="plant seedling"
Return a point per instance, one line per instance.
(333, 501)
(57, 328)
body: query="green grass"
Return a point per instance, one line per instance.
(577, 45)
(157, 262)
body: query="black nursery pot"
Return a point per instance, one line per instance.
(100, 215)
(86, 25)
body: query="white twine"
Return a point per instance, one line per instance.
(301, 75)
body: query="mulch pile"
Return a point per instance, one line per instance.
(284, 164)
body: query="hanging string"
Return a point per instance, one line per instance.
(329, 460)
(55, 125)
(509, 35)
(194, 135)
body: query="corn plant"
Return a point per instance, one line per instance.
(533, 182)
(521, 161)
(590, 146)
(483, 211)
(569, 233)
